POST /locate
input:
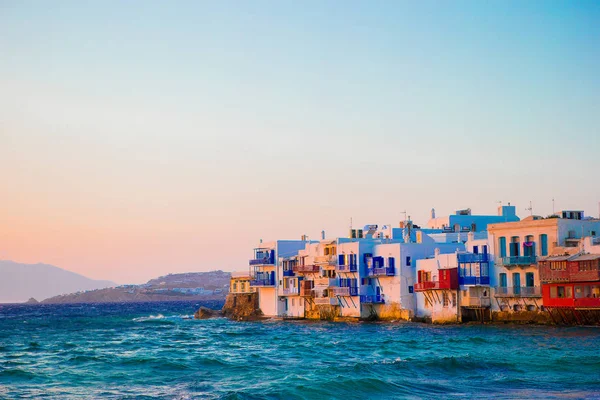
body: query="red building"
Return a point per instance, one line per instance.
(571, 287)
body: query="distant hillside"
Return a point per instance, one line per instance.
(20, 282)
(212, 285)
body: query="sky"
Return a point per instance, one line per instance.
(148, 137)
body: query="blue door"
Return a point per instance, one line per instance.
(502, 247)
(517, 283)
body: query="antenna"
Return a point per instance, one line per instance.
(530, 209)
(404, 212)
(553, 206)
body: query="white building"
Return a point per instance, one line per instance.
(263, 270)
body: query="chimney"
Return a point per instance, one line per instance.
(322, 235)
(471, 236)
(437, 252)
(433, 213)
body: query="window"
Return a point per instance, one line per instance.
(408, 261)
(544, 245)
(445, 299)
(293, 302)
(502, 246)
(514, 246)
(391, 262)
(475, 249)
(529, 279)
(453, 299)
(553, 292)
(234, 286)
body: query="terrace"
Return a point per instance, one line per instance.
(518, 291)
(263, 257)
(345, 291)
(306, 268)
(517, 261)
(322, 301)
(381, 271)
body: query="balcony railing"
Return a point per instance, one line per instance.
(432, 285)
(288, 272)
(326, 260)
(321, 301)
(347, 268)
(306, 268)
(307, 292)
(262, 282)
(292, 291)
(371, 299)
(324, 281)
(518, 291)
(474, 280)
(473, 258)
(345, 291)
(262, 261)
(520, 260)
(476, 302)
(382, 271)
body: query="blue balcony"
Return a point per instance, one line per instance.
(518, 260)
(263, 257)
(473, 258)
(288, 272)
(371, 299)
(382, 271)
(263, 282)
(474, 280)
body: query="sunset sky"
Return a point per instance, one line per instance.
(141, 138)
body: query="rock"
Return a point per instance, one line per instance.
(32, 301)
(206, 313)
(242, 307)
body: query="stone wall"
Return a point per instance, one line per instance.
(240, 306)
(522, 317)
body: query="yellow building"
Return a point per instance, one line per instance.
(240, 282)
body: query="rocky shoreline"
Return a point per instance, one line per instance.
(244, 307)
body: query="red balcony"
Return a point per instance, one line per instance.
(306, 268)
(448, 280)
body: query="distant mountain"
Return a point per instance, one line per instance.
(20, 282)
(205, 286)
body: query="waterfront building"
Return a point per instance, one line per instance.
(263, 271)
(571, 286)
(307, 279)
(455, 287)
(240, 282)
(517, 246)
(436, 289)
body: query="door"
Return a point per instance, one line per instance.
(502, 245)
(516, 283)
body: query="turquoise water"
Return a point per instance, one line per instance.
(154, 351)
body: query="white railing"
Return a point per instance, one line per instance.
(330, 301)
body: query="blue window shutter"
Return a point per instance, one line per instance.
(341, 259)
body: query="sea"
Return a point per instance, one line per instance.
(157, 351)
